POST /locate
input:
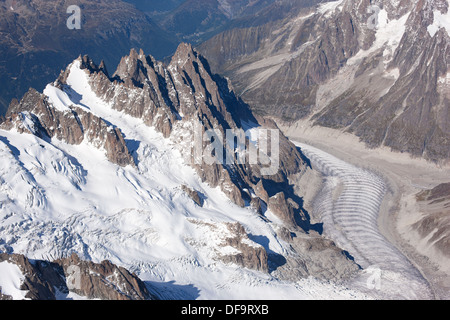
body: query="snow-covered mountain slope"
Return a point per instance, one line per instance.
(96, 166)
(139, 219)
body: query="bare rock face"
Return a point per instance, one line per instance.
(312, 256)
(38, 288)
(278, 65)
(103, 281)
(194, 195)
(250, 256)
(409, 115)
(282, 208)
(261, 192)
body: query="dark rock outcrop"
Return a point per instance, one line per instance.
(46, 280)
(194, 195)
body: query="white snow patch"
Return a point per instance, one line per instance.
(388, 33)
(329, 8)
(440, 21)
(11, 278)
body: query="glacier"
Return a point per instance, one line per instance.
(349, 205)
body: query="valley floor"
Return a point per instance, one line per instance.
(404, 177)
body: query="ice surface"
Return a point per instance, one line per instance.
(349, 205)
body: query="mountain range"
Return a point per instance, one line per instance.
(36, 42)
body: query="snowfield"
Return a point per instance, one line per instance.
(56, 199)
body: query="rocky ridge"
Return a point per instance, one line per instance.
(45, 280)
(376, 69)
(36, 43)
(35, 114)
